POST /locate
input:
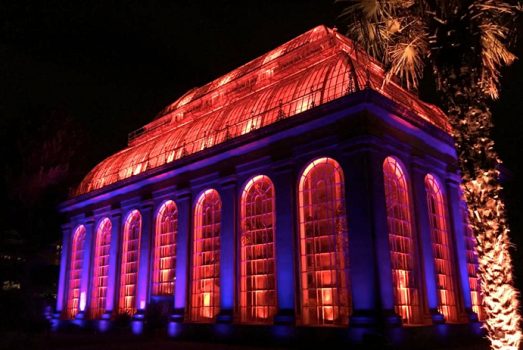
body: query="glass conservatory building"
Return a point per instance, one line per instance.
(299, 190)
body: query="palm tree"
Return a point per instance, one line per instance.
(464, 43)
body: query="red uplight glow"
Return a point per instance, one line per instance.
(258, 289)
(323, 245)
(205, 292)
(441, 249)
(75, 271)
(101, 268)
(165, 249)
(401, 241)
(130, 259)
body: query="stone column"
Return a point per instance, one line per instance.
(362, 255)
(457, 227)
(146, 212)
(145, 252)
(181, 285)
(61, 296)
(422, 225)
(229, 220)
(284, 179)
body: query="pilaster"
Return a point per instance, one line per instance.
(362, 255)
(228, 226)
(284, 179)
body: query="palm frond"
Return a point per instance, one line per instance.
(407, 59)
(494, 19)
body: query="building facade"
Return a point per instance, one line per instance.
(298, 190)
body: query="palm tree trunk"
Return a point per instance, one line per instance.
(471, 120)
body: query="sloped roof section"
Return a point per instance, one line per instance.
(315, 68)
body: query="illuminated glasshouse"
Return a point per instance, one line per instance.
(300, 189)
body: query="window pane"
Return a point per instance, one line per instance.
(165, 250)
(75, 272)
(323, 245)
(401, 241)
(441, 249)
(205, 292)
(101, 268)
(130, 259)
(257, 287)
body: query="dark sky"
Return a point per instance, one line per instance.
(112, 65)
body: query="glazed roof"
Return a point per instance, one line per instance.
(312, 69)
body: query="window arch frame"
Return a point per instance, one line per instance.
(450, 312)
(264, 312)
(124, 306)
(413, 314)
(76, 258)
(100, 271)
(160, 287)
(343, 302)
(204, 305)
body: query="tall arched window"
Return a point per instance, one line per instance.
(441, 249)
(205, 291)
(130, 261)
(402, 243)
(75, 271)
(325, 296)
(257, 287)
(101, 268)
(165, 249)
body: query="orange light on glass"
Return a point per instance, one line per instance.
(257, 285)
(401, 241)
(75, 271)
(165, 249)
(205, 291)
(101, 268)
(325, 296)
(130, 259)
(313, 69)
(441, 249)
(476, 294)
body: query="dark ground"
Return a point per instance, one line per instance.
(23, 341)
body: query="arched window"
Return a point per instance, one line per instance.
(257, 287)
(130, 261)
(205, 291)
(441, 249)
(101, 268)
(325, 296)
(75, 271)
(165, 249)
(402, 244)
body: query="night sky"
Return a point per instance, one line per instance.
(99, 69)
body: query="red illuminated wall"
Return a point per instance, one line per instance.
(101, 268)
(257, 264)
(164, 263)
(325, 296)
(75, 272)
(130, 260)
(402, 243)
(205, 291)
